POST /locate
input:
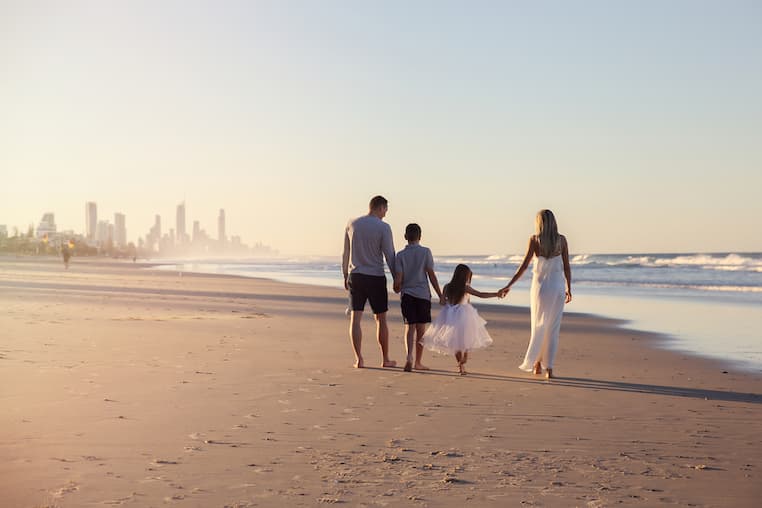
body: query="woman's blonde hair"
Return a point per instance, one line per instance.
(546, 231)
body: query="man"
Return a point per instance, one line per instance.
(367, 241)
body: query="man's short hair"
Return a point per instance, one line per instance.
(413, 232)
(377, 202)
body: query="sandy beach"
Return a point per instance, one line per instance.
(121, 386)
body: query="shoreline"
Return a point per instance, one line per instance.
(660, 340)
(141, 388)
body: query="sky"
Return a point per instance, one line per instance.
(638, 123)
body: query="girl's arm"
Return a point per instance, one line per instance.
(567, 268)
(472, 291)
(522, 268)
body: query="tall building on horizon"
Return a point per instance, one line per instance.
(91, 220)
(47, 225)
(221, 227)
(120, 231)
(104, 232)
(181, 223)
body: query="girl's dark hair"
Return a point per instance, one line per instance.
(456, 288)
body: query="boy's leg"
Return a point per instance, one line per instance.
(420, 329)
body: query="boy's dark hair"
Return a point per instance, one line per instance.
(377, 201)
(413, 232)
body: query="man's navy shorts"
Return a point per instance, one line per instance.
(371, 288)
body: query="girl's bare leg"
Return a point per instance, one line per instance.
(459, 357)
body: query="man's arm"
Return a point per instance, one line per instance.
(387, 247)
(345, 259)
(398, 275)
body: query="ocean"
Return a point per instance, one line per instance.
(703, 304)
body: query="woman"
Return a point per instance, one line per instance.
(551, 273)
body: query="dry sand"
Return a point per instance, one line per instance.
(120, 386)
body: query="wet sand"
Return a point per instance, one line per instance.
(126, 387)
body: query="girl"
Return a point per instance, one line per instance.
(458, 328)
(551, 289)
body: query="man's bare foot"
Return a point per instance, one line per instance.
(359, 364)
(420, 366)
(549, 374)
(389, 363)
(537, 368)
(408, 366)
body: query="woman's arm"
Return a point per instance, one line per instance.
(567, 268)
(472, 291)
(522, 268)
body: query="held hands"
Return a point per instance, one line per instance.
(397, 287)
(442, 300)
(503, 292)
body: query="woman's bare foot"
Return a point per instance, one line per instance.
(420, 366)
(549, 374)
(359, 363)
(537, 368)
(389, 363)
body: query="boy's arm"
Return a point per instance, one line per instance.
(435, 284)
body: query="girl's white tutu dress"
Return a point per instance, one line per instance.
(457, 328)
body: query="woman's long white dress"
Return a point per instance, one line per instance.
(457, 328)
(547, 297)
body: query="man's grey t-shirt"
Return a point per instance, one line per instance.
(367, 241)
(412, 262)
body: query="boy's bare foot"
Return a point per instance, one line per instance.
(408, 366)
(549, 374)
(420, 366)
(359, 364)
(389, 363)
(537, 368)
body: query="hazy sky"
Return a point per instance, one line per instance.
(639, 123)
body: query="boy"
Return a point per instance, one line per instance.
(414, 268)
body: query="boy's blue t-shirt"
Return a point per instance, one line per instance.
(412, 262)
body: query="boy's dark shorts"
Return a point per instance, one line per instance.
(371, 288)
(415, 310)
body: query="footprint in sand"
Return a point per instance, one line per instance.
(66, 489)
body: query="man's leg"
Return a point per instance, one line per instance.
(410, 330)
(355, 334)
(420, 329)
(382, 332)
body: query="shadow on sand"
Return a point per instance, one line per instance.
(601, 384)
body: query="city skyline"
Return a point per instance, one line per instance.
(99, 232)
(636, 123)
